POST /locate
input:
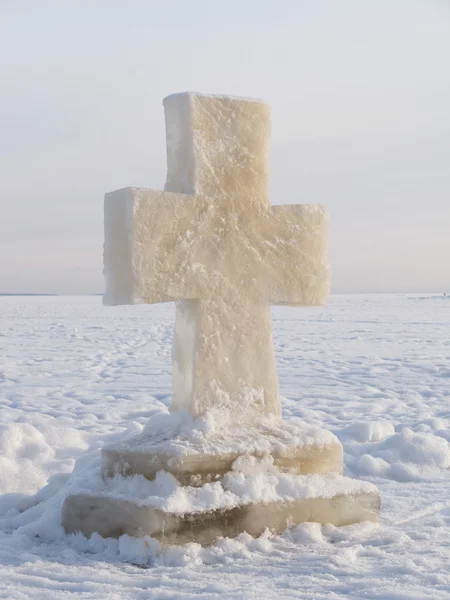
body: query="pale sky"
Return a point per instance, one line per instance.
(360, 97)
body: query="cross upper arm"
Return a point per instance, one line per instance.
(297, 257)
(145, 250)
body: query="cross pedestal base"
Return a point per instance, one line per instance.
(191, 464)
(215, 478)
(113, 517)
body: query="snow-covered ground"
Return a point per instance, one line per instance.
(375, 370)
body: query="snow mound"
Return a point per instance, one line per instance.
(373, 431)
(422, 449)
(405, 456)
(28, 457)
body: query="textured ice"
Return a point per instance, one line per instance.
(213, 242)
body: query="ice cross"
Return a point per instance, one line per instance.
(212, 242)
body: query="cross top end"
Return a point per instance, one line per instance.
(225, 97)
(217, 145)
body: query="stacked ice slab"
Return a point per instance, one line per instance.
(212, 242)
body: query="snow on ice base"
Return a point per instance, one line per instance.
(215, 433)
(251, 480)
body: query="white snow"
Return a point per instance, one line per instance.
(217, 433)
(406, 456)
(375, 370)
(373, 431)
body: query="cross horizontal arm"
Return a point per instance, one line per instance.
(146, 246)
(297, 255)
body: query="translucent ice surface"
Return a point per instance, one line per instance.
(213, 242)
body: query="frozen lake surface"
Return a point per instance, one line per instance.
(373, 369)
